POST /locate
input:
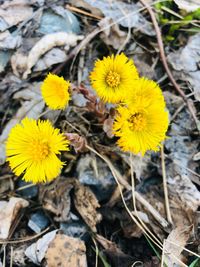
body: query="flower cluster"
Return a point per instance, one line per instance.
(142, 120)
(32, 147)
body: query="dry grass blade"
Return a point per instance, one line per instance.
(169, 217)
(144, 228)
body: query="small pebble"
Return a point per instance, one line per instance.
(38, 222)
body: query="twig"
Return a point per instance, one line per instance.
(81, 11)
(169, 217)
(163, 255)
(164, 61)
(22, 240)
(4, 256)
(11, 256)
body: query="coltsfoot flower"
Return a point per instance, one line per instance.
(55, 91)
(112, 78)
(146, 91)
(143, 123)
(32, 148)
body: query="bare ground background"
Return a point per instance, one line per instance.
(81, 219)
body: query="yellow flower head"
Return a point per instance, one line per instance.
(113, 77)
(32, 149)
(142, 125)
(146, 91)
(55, 91)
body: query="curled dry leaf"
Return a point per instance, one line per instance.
(108, 127)
(48, 42)
(56, 199)
(66, 251)
(112, 35)
(8, 212)
(196, 157)
(175, 243)
(37, 250)
(107, 244)
(86, 204)
(78, 142)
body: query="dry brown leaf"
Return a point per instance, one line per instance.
(86, 204)
(57, 199)
(178, 236)
(66, 251)
(112, 35)
(8, 212)
(78, 142)
(48, 42)
(108, 127)
(107, 244)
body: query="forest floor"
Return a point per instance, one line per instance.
(105, 209)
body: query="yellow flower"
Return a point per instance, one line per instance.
(113, 77)
(32, 149)
(55, 91)
(142, 125)
(147, 90)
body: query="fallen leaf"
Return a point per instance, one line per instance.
(112, 35)
(66, 251)
(174, 244)
(9, 41)
(48, 42)
(78, 142)
(54, 56)
(188, 5)
(108, 127)
(8, 212)
(37, 250)
(127, 15)
(185, 62)
(14, 13)
(196, 157)
(86, 204)
(57, 200)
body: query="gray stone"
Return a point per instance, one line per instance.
(58, 20)
(29, 192)
(38, 222)
(96, 174)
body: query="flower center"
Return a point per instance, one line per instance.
(137, 122)
(39, 150)
(113, 79)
